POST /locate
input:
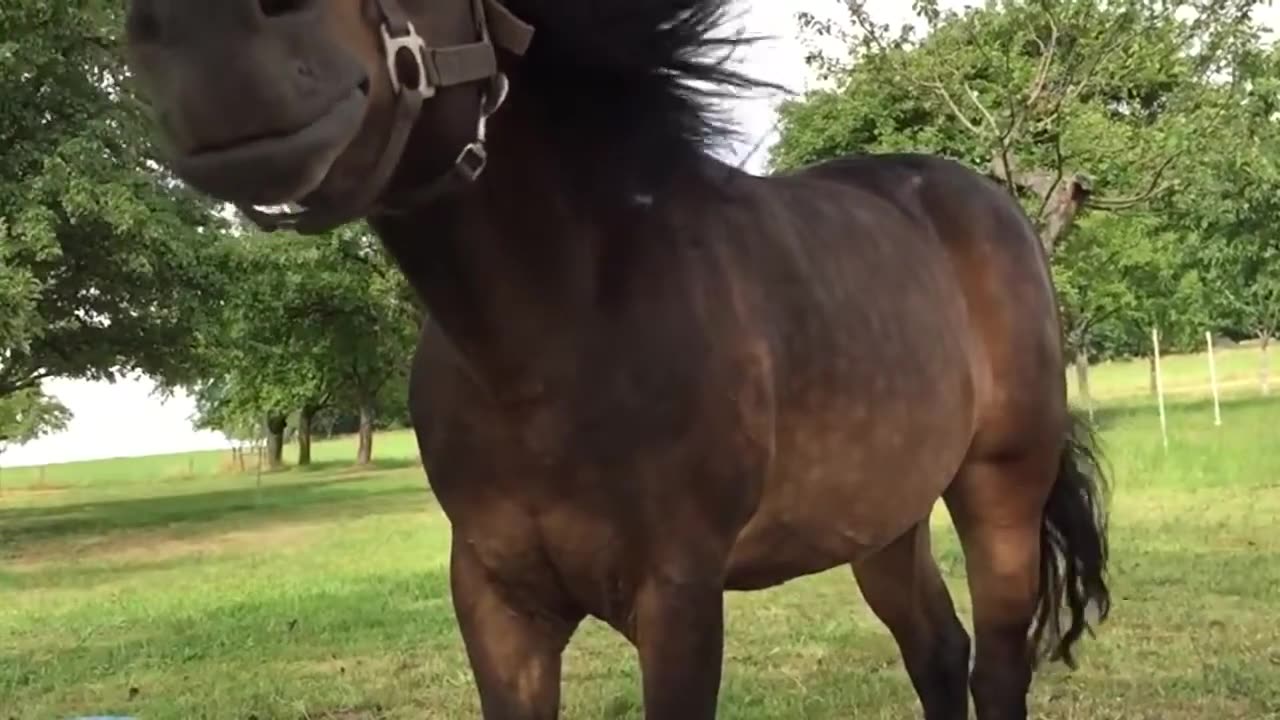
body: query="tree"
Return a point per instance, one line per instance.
(259, 358)
(372, 321)
(1092, 278)
(1122, 275)
(1072, 104)
(102, 257)
(1237, 209)
(1249, 283)
(215, 410)
(29, 414)
(307, 324)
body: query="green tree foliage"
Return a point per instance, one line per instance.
(28, 414)
(306, 324)
(1077, 105)
(1121, 276)
(1234, 203)
(1071, 103)
(101, 256)
(109, 266)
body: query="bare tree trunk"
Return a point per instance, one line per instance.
(364, 452)
(1082, 378)
(1264, 367)
(1151, 374)
(305, 418)
(275, 441)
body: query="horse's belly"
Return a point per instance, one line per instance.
(838, 492)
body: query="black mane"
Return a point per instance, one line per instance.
(637, 80)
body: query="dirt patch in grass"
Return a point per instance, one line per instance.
(374, 713)
(151, 546)
(31, 491)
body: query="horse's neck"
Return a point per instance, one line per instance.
(513, 267)
(505, 266)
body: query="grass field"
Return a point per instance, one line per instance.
(1184, 376)
(171, 588)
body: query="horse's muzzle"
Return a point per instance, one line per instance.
(277, 168)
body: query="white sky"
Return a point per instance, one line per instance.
(123, 419)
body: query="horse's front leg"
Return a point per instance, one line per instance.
(514, 642)
(679, 633)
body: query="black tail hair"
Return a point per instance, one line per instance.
(1073, 549)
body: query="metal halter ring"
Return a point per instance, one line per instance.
(412, 42)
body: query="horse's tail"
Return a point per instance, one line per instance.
(1073, 549)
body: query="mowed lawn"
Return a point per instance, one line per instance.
(174, 588)
(1184, 376)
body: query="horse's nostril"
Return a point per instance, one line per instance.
(276, 8)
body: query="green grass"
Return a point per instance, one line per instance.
(1183, 375)
(163, 588)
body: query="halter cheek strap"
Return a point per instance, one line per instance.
(416, 72)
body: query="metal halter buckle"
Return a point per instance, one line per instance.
(472, 160)
(413, 42)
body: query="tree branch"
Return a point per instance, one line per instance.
(1155, 187)
(942, 92)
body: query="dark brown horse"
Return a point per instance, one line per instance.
(652, 377)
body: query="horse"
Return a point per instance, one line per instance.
(650, 377)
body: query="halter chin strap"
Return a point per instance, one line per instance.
(416, 72)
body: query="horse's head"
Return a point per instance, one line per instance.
(266, 102)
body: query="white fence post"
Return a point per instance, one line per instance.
(1164, 424)
(1213, 381)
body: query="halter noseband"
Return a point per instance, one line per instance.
(429, 69)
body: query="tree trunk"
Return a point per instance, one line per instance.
(1063, 197)
(1264, 367)
(275, 441)
(306, 416)
(1151, 374)
(364, 453)
(1082, 378)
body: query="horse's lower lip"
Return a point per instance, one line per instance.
(278, 169)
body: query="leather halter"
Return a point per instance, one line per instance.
(416, 72)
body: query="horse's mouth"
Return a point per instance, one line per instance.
(278, 168)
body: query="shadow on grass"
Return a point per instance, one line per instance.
(346, 466)
(1113, 413)
(392, 641)
(85, 578)
(209, 657)
(363, 493)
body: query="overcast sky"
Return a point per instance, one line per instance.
(122, 419)
(781, 59)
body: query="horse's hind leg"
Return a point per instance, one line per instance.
(1034, 538)
(996, 510)
(905, 590)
